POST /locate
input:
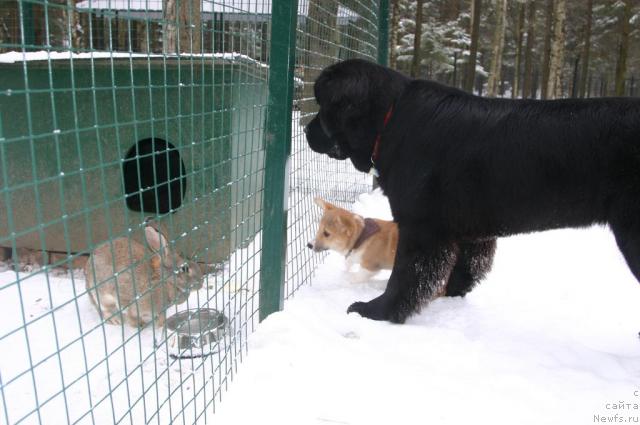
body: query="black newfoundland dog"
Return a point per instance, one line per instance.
(461, 170)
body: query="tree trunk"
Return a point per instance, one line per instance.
(106, 32)
(527, 86)
(395, 12)
(123, 32)
(497, 48)
(84, 30)
(141, 33)
(182, 26)
(586, 51)
(574, 80)
(548, 29)
(519, 35)
(621, 65)
(450, 10)
(554, 85)
(415, 62)
(190, 26)
(169, 31)
(73, 23)
(58, 24)
(454, 77)
(4, 36)
(470, 74)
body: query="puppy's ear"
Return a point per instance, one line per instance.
(349, 225)
(319, 202)
(323, 204)
(356, 224)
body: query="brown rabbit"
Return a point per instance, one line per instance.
(124, 278)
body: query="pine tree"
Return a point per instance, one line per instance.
(447, 45)
(586, 50)
(497, 49)
(519, 37)
(556, 62)
(417, 39)
(470, 74)
(527, 86)
(546, 55)
(394, 30)
(621, 64)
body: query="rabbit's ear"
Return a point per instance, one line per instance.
(158, 243)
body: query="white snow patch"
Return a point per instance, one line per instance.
(43, 55)
(68, 346)
(550, 337)
(231, 7)
(373, 205)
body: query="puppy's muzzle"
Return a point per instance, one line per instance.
(315, 248)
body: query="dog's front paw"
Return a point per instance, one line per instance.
(377, 309)
(360, 308)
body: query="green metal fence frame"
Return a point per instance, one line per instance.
(383, 32)
(277, 145)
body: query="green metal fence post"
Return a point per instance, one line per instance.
(277, 149)
(383, 33)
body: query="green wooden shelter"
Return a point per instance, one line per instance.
(91, 144)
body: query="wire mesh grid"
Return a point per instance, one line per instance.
(329, 31)
(132, 158)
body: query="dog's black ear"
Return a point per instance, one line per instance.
(349, 91)
(342, 85)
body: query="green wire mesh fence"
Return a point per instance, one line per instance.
(318, 44)
(135, 190)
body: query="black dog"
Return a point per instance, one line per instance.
(460, 170)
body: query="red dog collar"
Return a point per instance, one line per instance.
(376, 146)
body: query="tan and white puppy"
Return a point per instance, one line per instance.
(369, 242)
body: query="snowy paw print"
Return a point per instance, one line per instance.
(41, 306)
(351, 335)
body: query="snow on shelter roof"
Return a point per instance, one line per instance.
(256, 7)
(43, 55)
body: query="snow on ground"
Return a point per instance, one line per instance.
(550, 337)
(147, 384)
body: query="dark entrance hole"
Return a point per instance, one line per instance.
(154, 177)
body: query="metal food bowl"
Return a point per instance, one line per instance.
(196, 332)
